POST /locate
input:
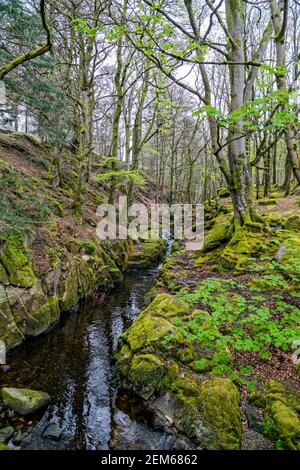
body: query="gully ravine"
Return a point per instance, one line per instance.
(73, 363)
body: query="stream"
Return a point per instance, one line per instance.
(73, 364)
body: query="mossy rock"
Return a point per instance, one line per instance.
(71, 291)
(14, 256)
(149, 330)
(88, 248)
(3, 275)
(274, 219)
(223, 192)
(147, 253)
(10, 332)
(217, 236)
(288, 257)
(166, 306)
(24, 277)
(17, 264)
(241, 247)
(146, 333)
(267, 202)
(293, 223)
(86, 278)
(220, 400)
(42, 318)
(210, 413)
(281, 414)
(146, 370)
(24, 401)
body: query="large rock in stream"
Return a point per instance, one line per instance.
(147, 253)
(24, 401)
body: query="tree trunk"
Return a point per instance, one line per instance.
(279, 27)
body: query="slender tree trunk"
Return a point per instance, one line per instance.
(279, 27)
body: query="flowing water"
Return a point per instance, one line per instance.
(73, 364)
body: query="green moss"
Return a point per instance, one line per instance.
(71, 294)
(293, 223)
(275, 195)
(4, 447)
(3, 275)
(176, 247)
(88, 247)
(167, 306)
(283, 424)
(281, 414)
(24, 401)
(240, 248)
(223, 192)
(147, 253)
(217, 236)
(45, 315)
(146, 370)
(168, 276)
(220, 399)
(147, 333)
(86, 278)
(210, 409)
(274, 219)
(267, 202)
(16, 261)
(14, 256)
(24, 277)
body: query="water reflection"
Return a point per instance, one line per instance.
(73, 364)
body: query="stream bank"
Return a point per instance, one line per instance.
(73, 364)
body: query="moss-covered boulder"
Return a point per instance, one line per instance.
(17, 264)
(293, 223)
(145, 371)
(147, 253)
(44, 316)
(24, 401)
(274, 219)
(267, 202)
(220, 400)
(146, 333)
(31, 304)
(218, 235)
(207, 411)
(150, 357)
(167, 327)
(242, 247)
(281, 414)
